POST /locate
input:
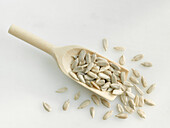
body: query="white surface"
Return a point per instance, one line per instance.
(28, 76)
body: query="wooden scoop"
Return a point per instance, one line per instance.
(63, 55)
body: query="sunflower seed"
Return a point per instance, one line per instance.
(146, 64)
(128, 109)
(122, 76)
(137, 57)
(104, 68)
(124, 99)
(89, 67)
(141, 101)
(141, 113)
(131, 103)
(73, 75)
(129, 89)
(85, 65)
(106, 85)
(111, 68)
(113, 78)
(91, 74)
(110, 89)
(86, 77)
(93, 58)
(115, 86)
(114, 66)
(136, 73)
(105, 103)
(107, 72)
(78, 69)
(84, 104)
(81, 63)
(82, 55)
(103, 76)
(95, 85)
(100, 58)
(122, 115)
(74, 64)
(119, 48)
(130, 94)
(77, 96)
(117, 92)
(134, 80)
(95, 99)
(88, 58)
(123, 88)
(105, 44)
(117, 73)
(139, 90)
(150, 89)
(92, 112)
(128, 84)
(143, 81)
(81, 78)
(89, 84)
(120, 108)
(122, 60)
(136, 100)
(95, 69)
(107, 115)
(61, 90)
(100, 82)
(102, 63)
(66, 105)
(46, 107)
(149, 102)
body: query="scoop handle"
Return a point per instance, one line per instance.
(31, 39)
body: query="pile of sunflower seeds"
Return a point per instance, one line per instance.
(96, 72)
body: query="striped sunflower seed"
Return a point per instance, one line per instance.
(82, 55)
(122, 60)
(143, 81)
(105, 103)
(95, 99)
(105, 44)
(114, 66)
(149, 102)
(136, 100)
(77, 96)
(122, 115)
(122, 77)
(61, 90)
(73, 75)
(91, 74)
(141, 113)
(66, 105)
(93, 58)
(95, 85)
(84, 104)
(139, 90)
(46, 107)
(107, 115)
(92, 112)
(134, 80)
(117, 92)
(89, 67)
(131, 103)
(130, 94)
(146, 64)
(88, 58)
(119, 48)
(81, 78)
(136, 73)
(141, 101)
(129, 109)
(120, 109)
(150, 89)
(137, 57)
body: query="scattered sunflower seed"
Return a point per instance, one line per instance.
(129, 109)
(122, 60)
(136, 73)
(124, 99)
(131, 103)
(149, 102)
(143, 81)
(117, 92)
(146, 64)
(150, 89)
(95, 99)
(92, 112)
(141, 113)
(61, 90)
(46, 107)
(105, 44)
(84, 104)
(77, 96)
(130, 94)
(137, 57)
(136, 100)
(107, 115)
(66, 105)
(134, 80)
(128, 84)
(122, 115)
(139, 90)
(105, 103)
(141, 101)
(120, 108)
(119, 48)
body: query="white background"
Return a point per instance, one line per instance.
(29, 76)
